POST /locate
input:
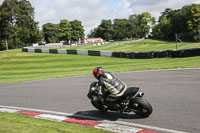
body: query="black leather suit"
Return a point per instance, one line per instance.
(111, 83)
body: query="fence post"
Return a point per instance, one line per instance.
(176, 41)
(199, 35)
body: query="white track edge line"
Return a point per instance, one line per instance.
(51, 112)
(94, 118)
(149, 127)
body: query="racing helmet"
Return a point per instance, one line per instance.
(97, 72)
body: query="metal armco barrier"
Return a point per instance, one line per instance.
(129, 55)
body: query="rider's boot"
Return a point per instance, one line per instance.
(123, 106)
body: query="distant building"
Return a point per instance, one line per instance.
(92, 40)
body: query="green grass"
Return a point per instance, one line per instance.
(17, 123)
(19, 66)
(142, 46)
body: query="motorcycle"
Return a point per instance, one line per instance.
(132, 99)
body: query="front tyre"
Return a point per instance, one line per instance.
(98, 105)
(141, 107)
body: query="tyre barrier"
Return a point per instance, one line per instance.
(130, 55)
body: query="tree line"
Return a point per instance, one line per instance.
(184, 21)
(18, 27)
(170, 23)
(136, 26)
(64, 31)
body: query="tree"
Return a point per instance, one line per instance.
(145, 21)
(193, 21)
(167, 13)
(8, 18)
(65, 30)
(136, 26)
(120, 29)
(134, 29)
(29, 30)
(50, 33)
(93, 33)
(17, 23)
(77, 31)
(167, 25)
(184, 20)
(104, 30)
(162, 30)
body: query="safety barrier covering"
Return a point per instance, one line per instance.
(130, 55)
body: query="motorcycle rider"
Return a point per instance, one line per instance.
(110, 85)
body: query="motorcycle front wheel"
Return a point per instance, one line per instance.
(141, 107)
(98, 105)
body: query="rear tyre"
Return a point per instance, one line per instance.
(98, 105)
(141, 107)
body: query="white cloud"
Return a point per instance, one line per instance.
(122, 11)
(91, 12)
(155, 7)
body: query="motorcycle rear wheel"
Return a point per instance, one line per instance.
(141, 107)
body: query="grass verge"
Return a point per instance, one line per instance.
(142, 46)
(17, 123)
(18, 66)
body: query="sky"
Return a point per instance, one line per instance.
(91, 12)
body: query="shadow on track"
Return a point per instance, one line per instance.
(112, 116)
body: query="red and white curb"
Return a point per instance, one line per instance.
(121, 127)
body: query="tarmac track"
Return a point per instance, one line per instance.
(174, 95)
